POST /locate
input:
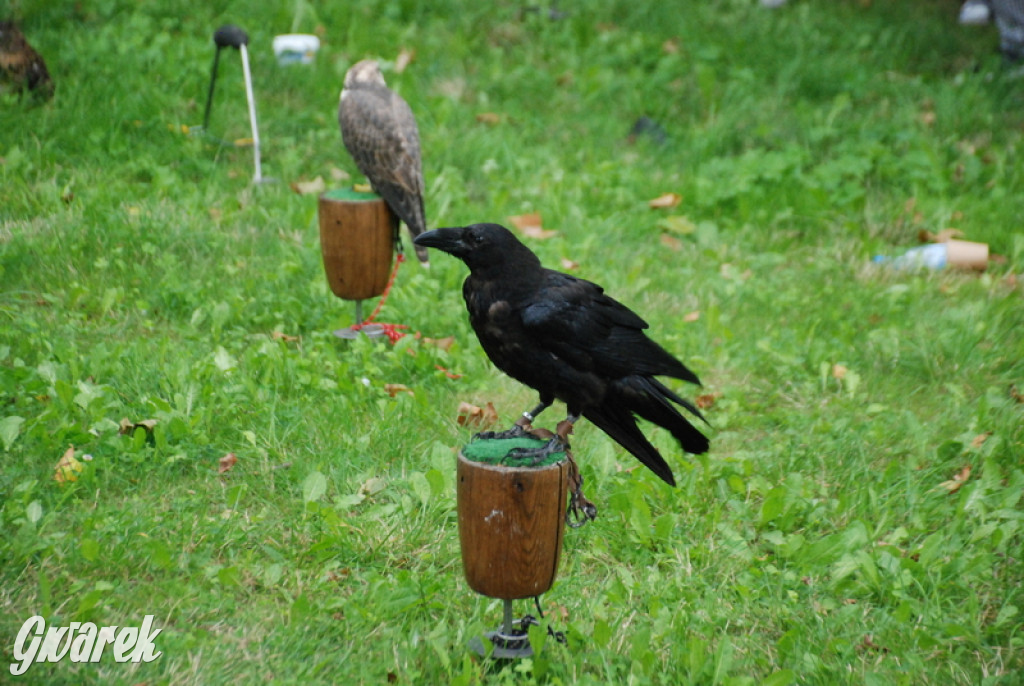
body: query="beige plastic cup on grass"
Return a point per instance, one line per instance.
(966, 254)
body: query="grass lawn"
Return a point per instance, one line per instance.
(858, 519)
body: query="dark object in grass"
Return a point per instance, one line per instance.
(21, 67)
(645, 126)
(566, 339)
(379, 131)
(230, 36)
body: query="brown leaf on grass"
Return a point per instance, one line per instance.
(671, 46)
(317, 185)
(404, 59)
(958, 480)
(671, 242)
(707, 400)
(691, 316)
(68, 468)
(480, 417)
(839, 371)
(868, 643)
(530, 226)
(281, 336)
(394, 389)
(447, 372)
(926, 236)
(444, 344)
(980, 439)
(1016, 394)
(489, 118)
(226, 463)
(569, 265)
(127, 426)
(664, 201)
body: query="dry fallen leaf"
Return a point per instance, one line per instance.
(671, 242)
(691, 316)
(980, 439)
(394, 389)
(926, 236)
(665, 200)
(226, 463)
(280, 336)
(68, 468)
(489, 118)
(839, 371)
(569, 265)
(958, 480)
(404, 59)
(317, 185)
(443, 343)
(707, 400)
(671, 46)
(1016, 394)
(450, 374)
(127, 426)
(869, 644)
(530, 226)
(481, 417)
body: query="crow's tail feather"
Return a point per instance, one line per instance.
(618, 422)
(648, 398)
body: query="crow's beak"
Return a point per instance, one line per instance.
(445, 240)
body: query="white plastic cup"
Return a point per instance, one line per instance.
(295, 48)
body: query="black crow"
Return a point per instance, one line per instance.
(566, 339)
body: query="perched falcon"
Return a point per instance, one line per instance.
(380, 133)
(21, 66)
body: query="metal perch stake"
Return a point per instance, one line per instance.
(230, 36)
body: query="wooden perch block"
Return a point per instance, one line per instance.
(511, 522)
(357, 239)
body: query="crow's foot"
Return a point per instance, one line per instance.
(517, 431)
(538, 455)
(580, 510)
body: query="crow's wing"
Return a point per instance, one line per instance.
(577, 322)
(574, 320)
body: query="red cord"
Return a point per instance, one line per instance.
(387, 291)
(392, 330)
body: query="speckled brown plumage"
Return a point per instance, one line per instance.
(21, 66)
(379, 131)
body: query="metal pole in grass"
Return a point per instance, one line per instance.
(512, 508)
(231, 36)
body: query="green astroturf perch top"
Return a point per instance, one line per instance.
(351, 195)
(494, 450)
